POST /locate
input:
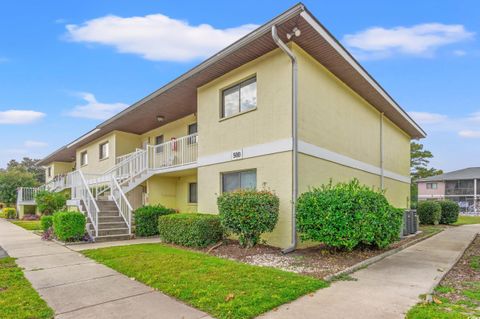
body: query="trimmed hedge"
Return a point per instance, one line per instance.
(146, 219)
(46, 222)
(69, 226)
(192, 230)
(10, 212)
(50, 202)
(347, 215)
(248, 214)
(429, 212)
(450, 211)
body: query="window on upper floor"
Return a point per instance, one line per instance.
(432, 185)
(158, 141)
(239, 180)
(103, 150)
(49, 171)
(239, 98)
(192, 129)
(83, 158)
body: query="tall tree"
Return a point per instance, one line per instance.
(29, 165)
(419, 161)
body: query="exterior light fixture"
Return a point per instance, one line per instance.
(160, 118)
(295, 32)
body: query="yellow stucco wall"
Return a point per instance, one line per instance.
(175, 129)
(58, 168)
(396, 149)
(126, 143)
(273, 171)
(270, 121)
(171, 191)
(314, 172)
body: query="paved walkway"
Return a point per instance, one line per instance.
(389, 288)
(77, 287)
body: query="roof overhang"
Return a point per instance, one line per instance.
(179, 97)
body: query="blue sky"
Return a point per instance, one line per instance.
(66, 65)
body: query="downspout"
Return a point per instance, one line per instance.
(382, 165)
(292, 57)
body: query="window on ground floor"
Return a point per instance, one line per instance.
(239, 180)
(192, 193)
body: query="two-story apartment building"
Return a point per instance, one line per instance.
(286, 107)
(461, 186)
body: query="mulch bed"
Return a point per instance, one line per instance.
(319, 261)
(463, 274)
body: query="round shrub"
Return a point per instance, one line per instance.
(46, 222)
(347, 215)
(69, 226)
(450, 211)
(10, 212)
(192, 230)
(248, 214)
(429, 212)
(146, 219)
(50, 202)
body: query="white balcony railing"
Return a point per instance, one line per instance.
(174, 153)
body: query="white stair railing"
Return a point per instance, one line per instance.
(81, 191)
(122, 203)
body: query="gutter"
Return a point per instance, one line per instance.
(292, 57)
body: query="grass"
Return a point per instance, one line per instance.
(467, 220)
(28, 224)
(431, 229)
(221, 287)
(18, 300)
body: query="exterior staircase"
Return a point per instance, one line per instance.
(111, 225)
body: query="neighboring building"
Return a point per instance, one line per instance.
(459, 186)
(228, 123)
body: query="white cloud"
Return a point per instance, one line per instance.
(15, 151)
(427, 118)
(420, 40)
(4, 59)
(469, 134)
(156, 37)
(35, 144)
(94, 109)
(459, 53)
(20, 116)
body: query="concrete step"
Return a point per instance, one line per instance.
(110, 219)
(109, 213)
(111, 225)
(112, 231)
(100, 239)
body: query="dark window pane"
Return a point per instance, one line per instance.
(248, 180)
(158, 141)
(231, 182)
(192, 197)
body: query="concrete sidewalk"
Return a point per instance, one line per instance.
(77, 287)
(389, 288)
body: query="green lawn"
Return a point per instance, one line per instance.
(467, 220)
(28, 224)
(223, 288)
(18, 300)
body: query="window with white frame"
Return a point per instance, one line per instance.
(49, 171)
(158, 141)
(83, 158)
(192, 193)
(192, 129)
(239, 180)
(432, 186)
(239, 98)
(103, 150)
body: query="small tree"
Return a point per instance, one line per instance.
(429, 212)
(11, 180)
(450, 211)
(248, 214)
(50, 202)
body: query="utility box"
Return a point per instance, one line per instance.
(410, 222)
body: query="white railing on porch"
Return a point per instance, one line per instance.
(81, 191)
(176, 152)
(120, 199)
(27, 194)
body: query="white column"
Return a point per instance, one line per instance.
(475, 195)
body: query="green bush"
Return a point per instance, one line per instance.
(347, 215)
(146, 219)
(46, 222)
(50, 202)
(429, 212)
(450, 211)
(192, 230)
(248, 214)
(10, 212)
(69, 226)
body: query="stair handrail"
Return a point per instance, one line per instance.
(81, 190)
(122, 203)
